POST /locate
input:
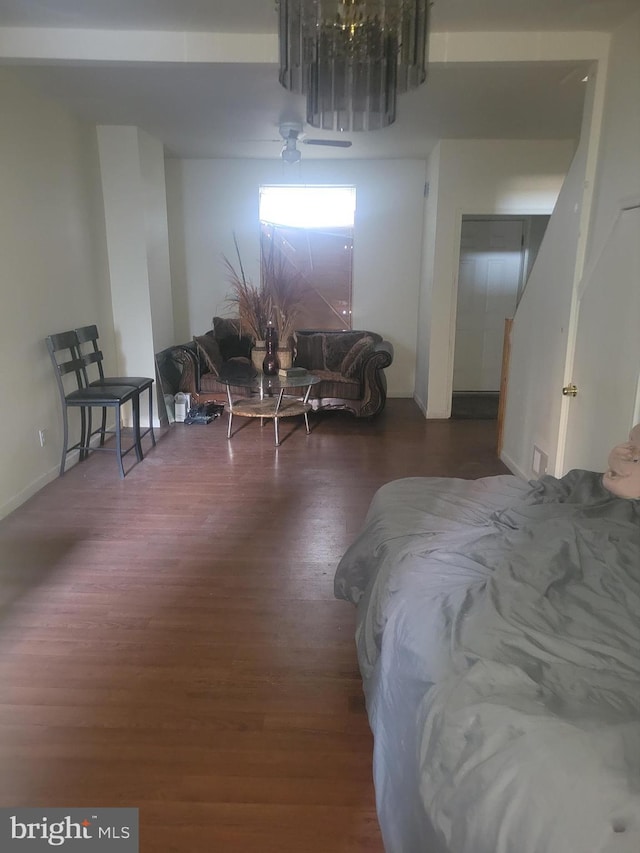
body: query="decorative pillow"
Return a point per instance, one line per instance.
(622, 477)
(336, 346)
(239, 368)
(226, 327)
(209, 352)
(310, 351)
(355, 358)
(227, 333)
(235, 347)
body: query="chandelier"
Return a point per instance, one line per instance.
(351, 58)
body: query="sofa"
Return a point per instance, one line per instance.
(350, 364)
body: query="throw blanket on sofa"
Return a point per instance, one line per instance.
(499, 641)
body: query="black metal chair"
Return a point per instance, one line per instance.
(65, 355)
(89, 335)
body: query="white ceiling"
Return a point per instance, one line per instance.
(226, 109)
(259, 16)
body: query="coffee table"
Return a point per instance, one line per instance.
(269, 399)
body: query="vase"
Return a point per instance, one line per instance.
(258, 353)
(285, 357)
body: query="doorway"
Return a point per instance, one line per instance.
(496, 255)
(606, 350)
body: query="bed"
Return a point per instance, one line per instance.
(498, 637)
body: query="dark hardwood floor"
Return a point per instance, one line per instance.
(171, 641)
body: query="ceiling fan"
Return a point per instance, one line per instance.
(291, 133)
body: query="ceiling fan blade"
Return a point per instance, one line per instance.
(332, 143)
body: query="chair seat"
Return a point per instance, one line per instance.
(101, 396)
(140, 382)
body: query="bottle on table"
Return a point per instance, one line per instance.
(271, 365)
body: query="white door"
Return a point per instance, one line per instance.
(606, 363)
(489, 276)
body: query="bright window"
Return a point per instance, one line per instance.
(307, 231)
(308, 206)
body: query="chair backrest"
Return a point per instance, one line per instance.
(65, 355)
(89, 335)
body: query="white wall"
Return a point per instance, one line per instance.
(536, 374)
(123, 194)
(609, 305)
(478, 177)
(209, 200)
(540, 332)
(53, 273)
(157, 239)
(618, 175)
(426, 279)
(133, 188)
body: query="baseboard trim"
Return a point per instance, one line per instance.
(43, 480)
(511, 465)
(28, 492)
(420, 404)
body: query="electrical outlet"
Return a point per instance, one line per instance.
(539, 462)
(42, 435)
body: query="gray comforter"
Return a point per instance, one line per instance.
(498, 637)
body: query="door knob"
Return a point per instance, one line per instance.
(570, 390)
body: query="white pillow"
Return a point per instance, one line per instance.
(622, 477)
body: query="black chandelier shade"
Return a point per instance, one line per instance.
(351, 58)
